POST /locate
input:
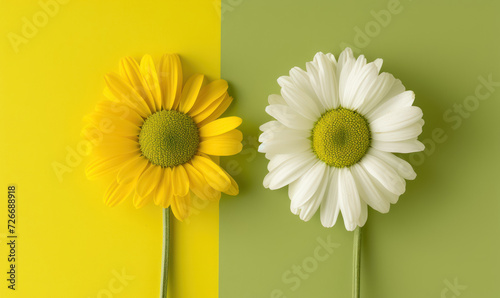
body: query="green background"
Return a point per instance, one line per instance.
(446, 225)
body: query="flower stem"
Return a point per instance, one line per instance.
(356, 264)
(165, 254)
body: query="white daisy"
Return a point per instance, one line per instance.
(337, 125)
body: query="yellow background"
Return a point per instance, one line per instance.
(70, 244)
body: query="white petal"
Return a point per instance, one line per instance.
(274, 125)
(350, 204)
(301, 80)
(281, 133)
(275, 99)
(285, 145)
(404, 99)
(378, 62)
(344, 58)
(396, 119)
(285, 81)
(389, 196)
(270, 156)
(409, 132)
(330, 206)
(367, 190)
(363, 216)
(289, 171)
(396, 88)
(407, 146)
(271, 131)
(278, 159)
(324, 80)
(289, 117)
(302, 190)
(376, 92)
(383, 192)
(384, 173)
(402, 167)
(310, 208)
(349, 78)
(301, 102)
(359, 85)
(332, 58)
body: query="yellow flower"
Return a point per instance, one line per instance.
(159, 139)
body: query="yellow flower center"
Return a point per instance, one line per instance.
(341, 137)
(169, 138)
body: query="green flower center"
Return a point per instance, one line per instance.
(341, 137)
(169, 138)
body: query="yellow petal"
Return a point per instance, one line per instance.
(164, 194)
(221, 145)
(213, 174)
(123, 92)
(132, 170)
(130, 70)
(190, 92)
(234, 134)
(109, 95)
(233, 189)
(214, 111)
(148, 71)
(180, 181)
(92, 133)
(140, 202)
(117, 193)
(148, 180)
(214, 158)
(110, 124)
(119, 110)
(220, 126)
(103, 166)
(170, 77)
(199, 185)
(111, 145)
(208, 94)
(181, 206)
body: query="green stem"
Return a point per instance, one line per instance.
(356, 264)
(165, 253)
